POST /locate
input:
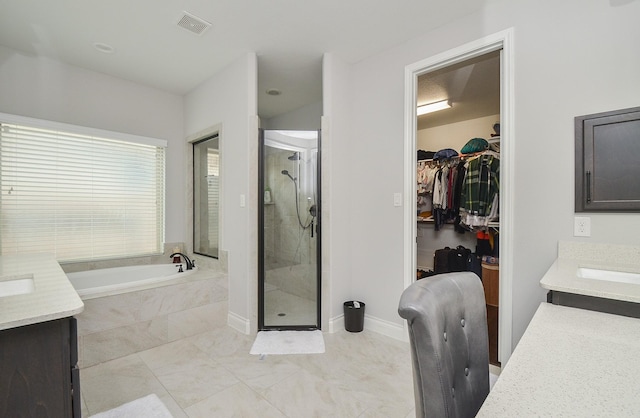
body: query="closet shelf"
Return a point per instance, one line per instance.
(429, 220)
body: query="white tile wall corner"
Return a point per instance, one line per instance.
(169, 248)
(600, 253)
(163, 258)
(215, 264)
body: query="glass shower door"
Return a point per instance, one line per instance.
(289, 242)
(206, 196)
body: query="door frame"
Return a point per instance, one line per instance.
(261, 276)
(498, 41)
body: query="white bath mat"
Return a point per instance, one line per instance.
(288, 342)
(148, 407)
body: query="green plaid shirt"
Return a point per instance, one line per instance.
(481, 183)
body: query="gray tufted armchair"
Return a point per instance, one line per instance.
(446, 315)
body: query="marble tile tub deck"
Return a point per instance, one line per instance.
(117, 325)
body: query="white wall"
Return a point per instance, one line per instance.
(376, 172)
(455, 135)
(42, 88)
(305, 118)
(228, 100)
(571, 58)
(336, 200)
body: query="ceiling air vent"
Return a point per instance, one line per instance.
(193, 24)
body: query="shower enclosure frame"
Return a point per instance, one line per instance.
(261, 242)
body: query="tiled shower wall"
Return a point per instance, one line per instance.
(285, 243)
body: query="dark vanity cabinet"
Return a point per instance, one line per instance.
(594, 303)
(608, 161)
(39, 376)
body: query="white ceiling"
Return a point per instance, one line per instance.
(471, 86)
(289, 37)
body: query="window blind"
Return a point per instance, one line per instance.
(80, 197)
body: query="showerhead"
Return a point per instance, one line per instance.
(286, 173)
(294, 157)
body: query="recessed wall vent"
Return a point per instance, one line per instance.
(193, 24)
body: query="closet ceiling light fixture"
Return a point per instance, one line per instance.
(433, 107)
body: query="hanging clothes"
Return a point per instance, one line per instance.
(425, 177)
(447, 191)
(457, 195)
(451, 181)
(421, 179)
(463, 191)
(440, 188)
(480, 191)
(440, 196)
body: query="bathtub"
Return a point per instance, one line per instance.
(132, 309)
(117, 279)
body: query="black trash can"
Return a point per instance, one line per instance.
(353, 316)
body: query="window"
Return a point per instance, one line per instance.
(79, 196)
(206, 196)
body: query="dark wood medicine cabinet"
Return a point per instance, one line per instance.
(607, 151)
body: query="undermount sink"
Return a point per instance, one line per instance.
(16, 285)
(609, 275)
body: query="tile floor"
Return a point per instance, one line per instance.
(212, 374)
(282, 308)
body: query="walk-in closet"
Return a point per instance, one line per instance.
(458, 176)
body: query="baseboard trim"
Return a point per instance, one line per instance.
(239, 323)
(386, 328)
(336, 324)
(371, 323)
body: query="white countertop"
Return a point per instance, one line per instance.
(53, 297)
(562, 276)
(571, 362)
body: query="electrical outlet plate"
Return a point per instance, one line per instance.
(581, 226)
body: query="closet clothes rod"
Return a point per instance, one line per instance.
(447, 160)
(461, 157)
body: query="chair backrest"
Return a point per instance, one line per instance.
(446, 315)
